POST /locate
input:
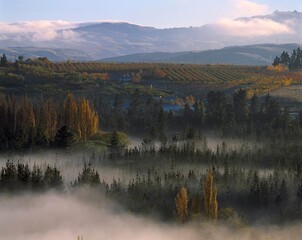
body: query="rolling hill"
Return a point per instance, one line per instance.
(260, 54)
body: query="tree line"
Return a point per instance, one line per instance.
(293, 61)
(20, 178)
(231, 115)
(28, 122)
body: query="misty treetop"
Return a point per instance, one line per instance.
(184, 183)
(21, 178)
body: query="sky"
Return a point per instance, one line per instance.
(155, 13)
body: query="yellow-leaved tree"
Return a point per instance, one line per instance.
(88, 119)
(181, 203)
(71, 113)
(210, 197)
(80, 117)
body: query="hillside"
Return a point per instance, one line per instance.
(108, 79)
(261, 54)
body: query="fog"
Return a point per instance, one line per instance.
(210, 140)
(52, 216)
(88, 213)
(71, 163)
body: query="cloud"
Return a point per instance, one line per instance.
(253, 27)
(37, 30)
(248, 8)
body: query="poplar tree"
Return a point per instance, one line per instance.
(210, 197)
(181, 203)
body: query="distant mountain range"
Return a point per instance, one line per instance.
(59, 40)
(260, 54)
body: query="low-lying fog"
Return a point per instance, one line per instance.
(65, 217)
(211, 142)
(90, 216)
(70, 163)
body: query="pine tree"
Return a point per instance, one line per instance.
(37, 178)
(135, 109)
(3, 60)
(216, 106)
(23, 175)
(253, 111)
(53, 178)
(198, 115)
(65, 137)
(88, 176)
(240, 106)
(161, 126)
(276, 61)
(284, 59)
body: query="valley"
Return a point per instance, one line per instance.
(150, 120)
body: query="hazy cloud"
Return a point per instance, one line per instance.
(37, 30)
(253, 27)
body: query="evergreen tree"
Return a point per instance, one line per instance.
(9, 176)
(37, 178)
(135, 112)
(115, 145)
(161, 126)
(88, 176)
(3, 60)
(285, 58)
(277, 61)
(23, 175)
(65, 137)
(117, 120)
(299, 193)
(285, 118)
(240, 106)
(198, 114)
(300, 118)
(216, 106)
(293, 60)
(53, 178)
(188, 113)
(254, 106)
